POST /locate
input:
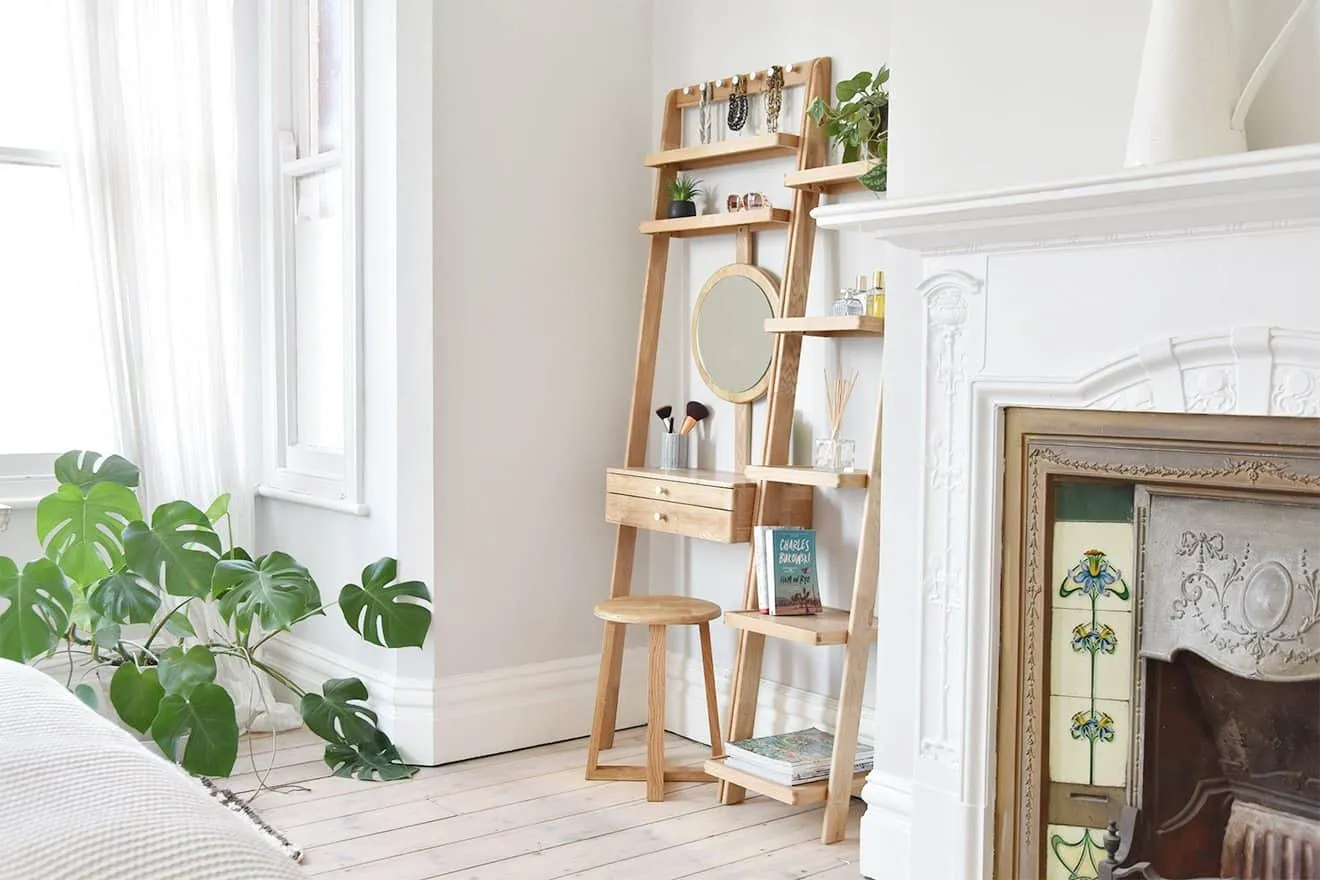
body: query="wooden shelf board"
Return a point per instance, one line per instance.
(794, 795)
(829, 178)
(827, 325)
(740, 149)
(715, 224)
(809, 476)
(829, 627)
(685, 475)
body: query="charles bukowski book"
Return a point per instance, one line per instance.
(792, 563)
(792, 758)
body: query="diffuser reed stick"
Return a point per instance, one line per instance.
(837, 392)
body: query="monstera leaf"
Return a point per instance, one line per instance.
(206, 715)
(177, 552)
(219, 508)
(83, 532)
(356, 745)
(181, 671)
(39, 601)
(336, 716)
(122, 598)
(275, 589)
(136, 695)
(380, 760)
(383, 612)
(87, 469)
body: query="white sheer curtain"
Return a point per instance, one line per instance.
(155, 176)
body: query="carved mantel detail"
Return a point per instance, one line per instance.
(949, 363)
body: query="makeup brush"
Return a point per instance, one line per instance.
(663, 414)
(695, 413)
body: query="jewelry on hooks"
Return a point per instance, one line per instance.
(703, 112)
(738, 105)
(774, 98)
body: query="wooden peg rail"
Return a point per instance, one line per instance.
(795, 74)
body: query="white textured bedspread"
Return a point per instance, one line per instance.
(80, 799)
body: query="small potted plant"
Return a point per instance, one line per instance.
(860, 123)
(682, 189)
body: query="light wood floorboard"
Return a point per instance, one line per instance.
(531, 814)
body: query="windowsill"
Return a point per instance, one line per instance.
(19, 503)
(338, 505)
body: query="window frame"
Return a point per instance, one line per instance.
(27, 477)
(295, 471)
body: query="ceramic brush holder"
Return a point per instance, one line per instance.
(673, 451)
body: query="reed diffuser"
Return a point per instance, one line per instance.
(833, 453)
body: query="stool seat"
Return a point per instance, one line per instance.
(657, 610)
(656, 613)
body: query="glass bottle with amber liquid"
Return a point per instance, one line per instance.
(875, 297)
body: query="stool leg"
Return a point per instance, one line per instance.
(712, 706)
(655, 717)
(601, 737)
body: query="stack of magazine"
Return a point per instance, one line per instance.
(792, 758)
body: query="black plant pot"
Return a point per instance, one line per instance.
(686, 208)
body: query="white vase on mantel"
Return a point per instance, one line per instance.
(1190, 103)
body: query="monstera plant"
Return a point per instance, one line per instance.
(112, 593)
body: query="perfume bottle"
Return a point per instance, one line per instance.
(849, 302)
(875, 297)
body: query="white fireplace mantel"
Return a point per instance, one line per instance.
(1189, 287)
(1267, 189)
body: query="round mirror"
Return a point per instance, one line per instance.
(729, 342)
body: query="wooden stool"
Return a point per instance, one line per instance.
(656, 612)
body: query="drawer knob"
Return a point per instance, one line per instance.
(660, 517)
(660, 490)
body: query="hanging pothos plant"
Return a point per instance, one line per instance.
(106, 568)
(860, 123)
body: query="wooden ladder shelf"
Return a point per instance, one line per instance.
(853, 627)
(778, 487)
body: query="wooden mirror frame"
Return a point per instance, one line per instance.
(770, 287)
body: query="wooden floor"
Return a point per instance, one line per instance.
(531, 814)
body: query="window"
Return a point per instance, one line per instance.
(53, 391)
(313, 372)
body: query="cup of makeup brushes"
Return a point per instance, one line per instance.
(673, 451)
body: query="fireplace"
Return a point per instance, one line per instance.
(1099, 308)
(1160, 643)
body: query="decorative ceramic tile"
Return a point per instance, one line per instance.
(1073, 853)
(1089, 740)
(1093, 502)
(1091, 654)
(1092, 564)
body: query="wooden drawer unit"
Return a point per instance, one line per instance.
(710, 505)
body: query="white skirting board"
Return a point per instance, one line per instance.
(483, 713)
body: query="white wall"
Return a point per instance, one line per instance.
(696, 41)
(541, 119)
(996, 94)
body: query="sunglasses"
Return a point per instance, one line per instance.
(747, 202)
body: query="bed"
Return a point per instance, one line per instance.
(81, 798)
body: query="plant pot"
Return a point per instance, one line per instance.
(686, 208)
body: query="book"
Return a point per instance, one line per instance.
(792, 758)
(759, 568)
(792, 585)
